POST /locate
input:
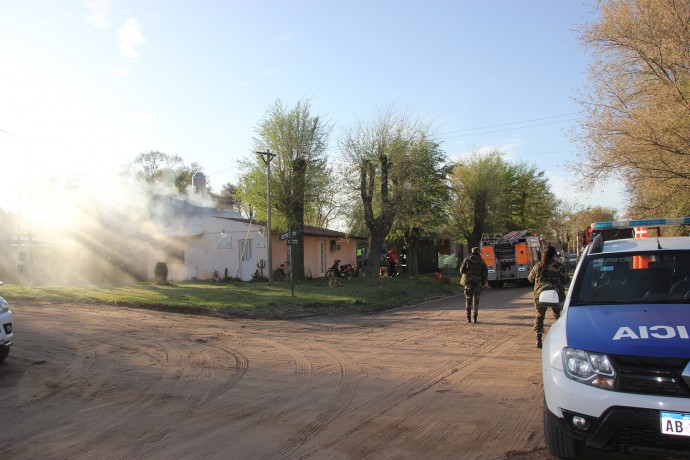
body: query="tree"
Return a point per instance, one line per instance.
(583, 218)
(494, 196)
(381, 151)
(480, 189)
(531, 201)
(637, 105)
(562, 225)
(423, 197)
(298, 171)
(156, 167)
(184, 174)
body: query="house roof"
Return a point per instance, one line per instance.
(308, 229)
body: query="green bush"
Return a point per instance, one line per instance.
(160, 271)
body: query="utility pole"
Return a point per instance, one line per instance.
(267, 156)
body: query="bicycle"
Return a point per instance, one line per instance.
(283, 272)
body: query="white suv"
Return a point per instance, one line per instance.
(5, 329)
(616, 365)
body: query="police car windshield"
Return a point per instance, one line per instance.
(651, 277)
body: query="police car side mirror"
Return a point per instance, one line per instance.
(548, 298)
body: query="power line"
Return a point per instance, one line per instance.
(559, 152)
(449, 134)
(506, 129)
(514, 123)
(222, 170)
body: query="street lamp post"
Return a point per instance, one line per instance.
(267, 156)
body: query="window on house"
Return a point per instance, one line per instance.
(245, 250)
(224, 241)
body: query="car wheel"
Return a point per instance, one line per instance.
(558, 443)
(4, 352)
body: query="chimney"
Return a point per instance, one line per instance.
(199, 183)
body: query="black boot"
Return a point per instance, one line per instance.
(475, 318)
(538, 340)
(469, 316)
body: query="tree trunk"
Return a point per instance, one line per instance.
(376, 242)
(412, 253)
(379, 226)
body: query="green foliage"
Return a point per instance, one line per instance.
(480, 187)
(299, 141)
(298, 171)
(160, 271)
(531, 201)
(422, 192)
(383, 151)
(423, 196)
(491, 195)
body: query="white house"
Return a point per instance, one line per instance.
(209, 247)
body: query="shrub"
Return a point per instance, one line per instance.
(161, 272)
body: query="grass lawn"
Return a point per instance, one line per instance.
(259, 300)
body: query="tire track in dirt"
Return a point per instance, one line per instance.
(30, 402)
(238, 441)
(413, 425)
(145, 404)
(100, 375)
(84, 377)
(383, 404)
(204, 392)
(340, 400)
(259, 389)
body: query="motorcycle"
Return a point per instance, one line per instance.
(337, 270)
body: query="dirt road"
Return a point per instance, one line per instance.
(417, 382)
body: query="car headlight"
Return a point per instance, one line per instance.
(589, 368)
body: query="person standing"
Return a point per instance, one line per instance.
(473, 276)
(392, 260)
(548, 274)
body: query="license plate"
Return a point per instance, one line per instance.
(675, 423)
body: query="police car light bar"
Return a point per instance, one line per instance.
(641, 223)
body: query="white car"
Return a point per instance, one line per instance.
(5, 329)
(616, 365)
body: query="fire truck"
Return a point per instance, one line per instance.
(510, 257)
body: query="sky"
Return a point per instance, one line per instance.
(87, 85)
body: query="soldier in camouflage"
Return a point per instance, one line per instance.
(473, 275)
(547, 274)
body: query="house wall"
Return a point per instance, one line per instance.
(218, 249)
(315, 264)
(343, 249)
(220, 245)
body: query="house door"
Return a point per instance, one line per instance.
(322, 258)
(246, 260)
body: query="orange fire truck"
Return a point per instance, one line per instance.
(510, 257)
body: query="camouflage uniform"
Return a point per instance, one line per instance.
(474, 275)
(545, 277)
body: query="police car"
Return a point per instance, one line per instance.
(616, 365)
